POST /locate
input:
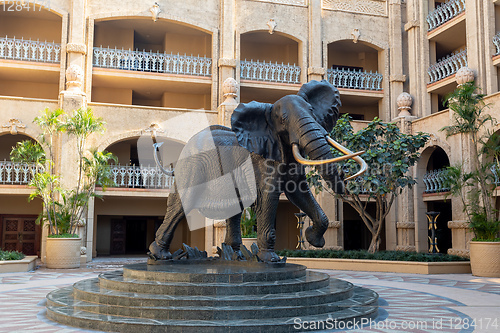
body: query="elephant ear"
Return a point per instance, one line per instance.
(325, 101)
(250, 122)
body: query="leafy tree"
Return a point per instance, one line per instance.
(389, 154)
(475, 188)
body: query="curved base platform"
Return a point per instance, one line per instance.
(209, 296)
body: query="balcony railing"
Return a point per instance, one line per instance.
(447, 66)
(354, 79)
(444, 13)
(126, 176)
(152, 62)
(29, 50)
(270, 72)
(15, 173)
(496, 41)
(434, 181)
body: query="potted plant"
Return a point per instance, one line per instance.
(248, 227)
(64, 209)
(476, 187)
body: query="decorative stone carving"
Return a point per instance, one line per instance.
(316, 71)
(406, 248)
(334, 224)
(355, 35)
(81, 223)
(83, 250)
(226, 62)
(464, 75)
(74, 79)
(154, 128)
(404, 102)
(155, 11)
(398, 78)
(219, 223)
(230, 91)
(272, 25)
(405, 225)
(76, 48)
(287, 2)
(459, 252)
(458, 224)
(15, 125)
(372, 7)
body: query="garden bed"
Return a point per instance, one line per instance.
(23, 265)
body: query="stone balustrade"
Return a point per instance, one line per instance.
(444, 13)
(434, 181)
(496, 41)
(131, 176)
(354, 79)
(447, 66)
(29, 50)
(269, 72)
(157, 62)
(15, 173)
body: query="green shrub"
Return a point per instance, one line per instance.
(11, 255)
(64, 236)
(363, 254)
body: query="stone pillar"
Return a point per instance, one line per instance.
(316, 70)
(489, 31)
(397, 78)
(228, 51)
(230, 94)
(77, 24)
(461, 235)
(332, 236)
(219, 234)
(406, 236)
(477, 59)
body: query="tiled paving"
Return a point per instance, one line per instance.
(408, 302)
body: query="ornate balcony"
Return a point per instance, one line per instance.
(496, 41)
(29, 50)
(447, 66)
(133, 176)
(14, 173)
(152, 62)
(444, 13)
(496, 174)
(434, 181)
(354, 79)
(269, 72)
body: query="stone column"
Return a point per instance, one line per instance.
(475, 39)
(406, 236)
(219, 234)
(397, 78)
(230, 94)
(316, 70)
(228, 52)
(461, 235)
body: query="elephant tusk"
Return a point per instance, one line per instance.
(159, 164)
(346, 151)
(304, 161)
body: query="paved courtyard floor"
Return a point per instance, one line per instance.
(408, 302)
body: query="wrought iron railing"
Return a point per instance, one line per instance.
(496, 41)
(354, 79)
(434, 181)
(496, 174)
(269, 71)
(131, 176)
(447, 66)
(29, 50)
(152, 62)
(444, 13)
(16, 173)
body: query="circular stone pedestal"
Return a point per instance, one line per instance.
(209, 296)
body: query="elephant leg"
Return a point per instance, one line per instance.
(265, 210)
(302, 197)
(233, 234)
(159, 249)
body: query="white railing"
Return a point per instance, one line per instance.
(447, 66)
(354, 79)
(496, 41)
(140, 177)
(434, 181)
(270, 72)
(15, 173)
(496, 174)
(444, 13)
(152, 62)
(29, 50)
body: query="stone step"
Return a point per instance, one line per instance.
(116, 281)
(90, 290)
(361, 305)
(207, 272)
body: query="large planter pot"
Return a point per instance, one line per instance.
(485, 259)
(248, 242)
(63, 252)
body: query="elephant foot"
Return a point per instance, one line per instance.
(268, 256)
(314, 238)
(158, 253)
(239, 256)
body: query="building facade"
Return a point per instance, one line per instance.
(173, 67)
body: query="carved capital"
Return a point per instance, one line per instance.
(271, 24)
(406, 248)
(405, 225)
(411, 24)
(316, 71)
(219, 223)
(459, 252)
(76, 48)
(74, 79)
(226, 62)
(334, 224)
(14, 125)
(458, 224)
(398, 78)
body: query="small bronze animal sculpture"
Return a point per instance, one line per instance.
(255, 161)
